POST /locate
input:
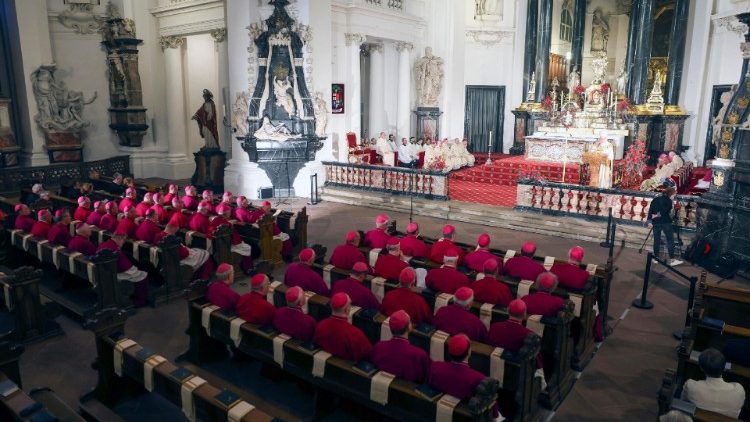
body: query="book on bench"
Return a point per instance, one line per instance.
(7, 388)
(427, 392)
(365, 367)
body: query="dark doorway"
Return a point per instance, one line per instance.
(485, 110)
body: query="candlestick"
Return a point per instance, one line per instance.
(489, 150)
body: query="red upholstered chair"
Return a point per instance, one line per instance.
(357, 154)
(421, 160)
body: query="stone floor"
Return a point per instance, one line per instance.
(619, 384)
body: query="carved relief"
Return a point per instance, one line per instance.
(59, 109)
(171, 42)
(240, 112)
(599, 31)
(219, 35)
(429, 75)
(80, 17)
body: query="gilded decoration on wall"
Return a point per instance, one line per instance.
(724, 151)
(734, 117)
(719, 179)
(726, 136)
(742, 102)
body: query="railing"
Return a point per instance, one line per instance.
(11, 180)
(394, 180)
(628, 206)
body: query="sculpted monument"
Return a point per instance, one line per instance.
(429, 75)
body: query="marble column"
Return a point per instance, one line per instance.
(579, 23)
(677, 51)
(223, 104)
(353, 87)
(377, 90)
(642, 52)
(529, 55)
(403, 113)
(633, 29)
(542, 48)
(176, 115)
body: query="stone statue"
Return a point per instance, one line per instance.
(622, 80)
(429, 75)
(574, 79)
(657, 83)
(281, 87)
(484, 8)
(206, 118)
(270, 132)
(725, 99)
(240, 112)
(60, 109)
(531, 94)
(599, 31)
(321, 113)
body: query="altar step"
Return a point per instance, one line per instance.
(493, 216)
(505, 170)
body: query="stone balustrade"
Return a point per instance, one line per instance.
(394, 180)
(584, 201)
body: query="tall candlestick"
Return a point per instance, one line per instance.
(489, 151)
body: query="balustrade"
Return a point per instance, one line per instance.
(387, 179)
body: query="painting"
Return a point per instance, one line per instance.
(337, 98)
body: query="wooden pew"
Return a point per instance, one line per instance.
(584, 306)
(519, 390)
(602, 276)
(557, 346)
(123, 365)
(100, 271)
(332, 376)
(18, 405)
(21, 298)
(729, 304)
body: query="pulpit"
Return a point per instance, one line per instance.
(594, 160)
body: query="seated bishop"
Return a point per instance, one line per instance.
(404, 297)
(148, 228)
(454, 376)
(84, 209)
(291, 320)
(41, 227)
(253, 307)
(81, 241)
(97, 213)
(360, 295)
(220, 292)
(347, 254)
(457, 318)
(570, 274)
(542, 302)
(489, 289)
(196, 258)
(389, 266)
(377, 237)
(445, 244)
(397, 356)
(411, 245)
(108, 222)
(447, 279)
(337, 336)
(59, 233)
(126, 271)
(24, 220)
(524, 266)
(301, 274)
(476, 259)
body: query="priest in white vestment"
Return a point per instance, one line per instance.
(384, 149)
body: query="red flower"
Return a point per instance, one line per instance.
(547, 103)
(624, 104)
(580, 89)
(605, 88)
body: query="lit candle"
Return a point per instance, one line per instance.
(490, 139)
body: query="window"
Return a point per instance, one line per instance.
(566, 26)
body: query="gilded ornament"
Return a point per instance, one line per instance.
(747, 86)
(719, 179)
(734, 117)
(743, 102)
(726, 135)
(724, 151)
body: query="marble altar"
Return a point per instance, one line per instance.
(558, 144)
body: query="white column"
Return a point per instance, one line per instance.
(223, 103)
(403, 121)
(176, 116)
(36, 50)
(352, 87)
(377, 90)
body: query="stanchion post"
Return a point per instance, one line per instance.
(642, 303)
(607, 243)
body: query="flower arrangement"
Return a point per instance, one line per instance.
(623, 105)
(605, 87)
(530, 176)
(437, 163)
(547, 103)
(634, 164)
(580, 89)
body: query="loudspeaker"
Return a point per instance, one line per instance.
(265, 193)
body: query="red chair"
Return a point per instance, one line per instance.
(421, 160)
(357, 154)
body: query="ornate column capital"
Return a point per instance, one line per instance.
(357, 39)
(402, 45)
(219, 35)
(171, 41)
(731, 24)
(376, 47)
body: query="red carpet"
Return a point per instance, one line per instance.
(495, 184)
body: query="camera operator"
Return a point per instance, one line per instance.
(659, 218)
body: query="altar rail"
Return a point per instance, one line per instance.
(11, 179)
(395, 180)
(627, 206)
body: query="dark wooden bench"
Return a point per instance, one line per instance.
(669, 399)
(329, 375)
(22, 300)
(99, 271)
(124, 366)
(557, 346)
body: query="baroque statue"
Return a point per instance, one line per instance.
(206, 118)
(429, 75)
(599, 31)
(60, 109)
(274, 132)
(622, 80)
(484, 8)
(321, 113)
(574, 79)
(240, 112)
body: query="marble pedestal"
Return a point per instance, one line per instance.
(209, 169)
